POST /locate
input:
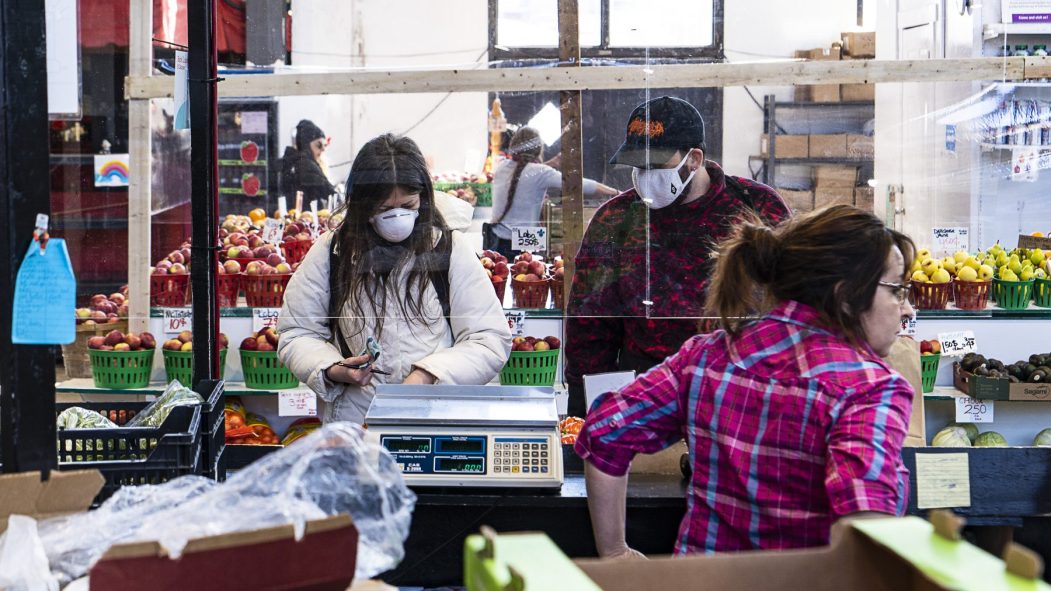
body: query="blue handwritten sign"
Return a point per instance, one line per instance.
(45, 297)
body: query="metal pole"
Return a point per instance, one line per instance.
(204, 201)
(27, 373)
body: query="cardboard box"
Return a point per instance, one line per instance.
(798, 201)
(835, 52)
(860, 146)
(828, 146)
(826, 196)
(997, 389)
(817, 93)
(864, 198)
(786, 146)
(1027, 241)
(857, 92)
(831, 175)
(1025, 11)
(63, 493)
(861, 45)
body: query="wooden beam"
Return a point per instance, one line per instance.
(140, 208)
(572, 146)
(611, 77)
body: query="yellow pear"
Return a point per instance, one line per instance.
(1015, 265)
(972, 263)
(941, 276)
(1027, 274)
(1008, 275)
(920, 277)
(930, 266)
(985, 273)
(960, 256)
(967, 273)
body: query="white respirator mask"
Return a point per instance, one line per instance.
(660, 187)
(395, 225)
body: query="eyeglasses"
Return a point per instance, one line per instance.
(901, 291)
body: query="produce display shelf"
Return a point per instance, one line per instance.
(944, 393)
(87, 386)
(246, 312)
(989, 312)
(812, 104)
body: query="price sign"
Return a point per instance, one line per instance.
(264, 318)
(948, 241)
(282, 207)
(516, 322)
(314, 228)
(273, 231)
(177, 320)
(41, 222)
(908, 327)
(957, 343)
(299, 202)
(297, 403)
(970, 410)
(531, 238)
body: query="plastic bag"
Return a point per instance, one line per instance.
(333, 470)
(76, 417)
(157, 411)
(23, 564)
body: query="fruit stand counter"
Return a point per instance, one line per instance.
(445, 517)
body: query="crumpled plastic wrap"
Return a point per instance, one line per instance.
(23, 564)
(155, 412)
(76, 417)
(333, 470)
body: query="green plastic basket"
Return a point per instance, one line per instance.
(483, 192)
(1012, 295)
(264, 371)
(929, 371)
(179, 365)
(530, 368)
(1042, 292)
(121, 370)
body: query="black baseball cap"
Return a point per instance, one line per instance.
(657, 129)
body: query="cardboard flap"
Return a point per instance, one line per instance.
(520, 560)
(64, 492)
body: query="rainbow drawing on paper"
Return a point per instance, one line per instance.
(111, 170)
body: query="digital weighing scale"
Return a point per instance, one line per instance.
(450, 435)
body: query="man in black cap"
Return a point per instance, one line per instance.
(302, 168)
(643, 266)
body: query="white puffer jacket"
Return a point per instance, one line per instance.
(472, 352)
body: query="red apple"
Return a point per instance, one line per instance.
(172, 345)
(185, 336)
(224, 341)
(250, 344)
(176, 257)
(525, 347)
(525, 256)
(113, 337)
(274, 259)
(553, 342)
(531, 277)
(177, 269)
(501, 269)
(232, 267)
(117, 298)
(148, 342)
(96, 342)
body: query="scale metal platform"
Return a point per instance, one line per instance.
(471, 436)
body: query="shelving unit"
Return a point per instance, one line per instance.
(994, 30)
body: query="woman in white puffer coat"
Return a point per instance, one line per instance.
(392, 249)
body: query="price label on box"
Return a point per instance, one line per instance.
(531, 238)
(264, 318)
(177, 320)
(297, 403)
(273, 231)
(516, 322)
(970, 410)
(957, 343)
(908, 327)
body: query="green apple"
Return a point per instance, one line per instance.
(985, 273)
(971, 262)
(960, 256)
(920, 277)
(967, 273)
(929, 266)
(941, 276)
(949, 264)
(923, 254)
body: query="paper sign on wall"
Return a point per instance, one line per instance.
(969, 410)
(1024, 165)
(516, 322)
(111, 170)
(908, 327)
(177, 320)
(45, 297)
(63, 59)
(264, 318)
(598, 384)
(273, 231)
(531, 238)
(942, 480)
(253, 122)
(947, 241)
(181, 92)
(957, 343)
(297, 403)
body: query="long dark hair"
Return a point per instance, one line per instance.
(525, 147)
(831, 259)
(365, 262)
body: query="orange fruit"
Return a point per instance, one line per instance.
(1038, 234)
(257, 215)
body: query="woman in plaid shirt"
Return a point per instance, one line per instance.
(792, 419)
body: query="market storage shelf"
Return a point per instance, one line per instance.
(944, 393)
(990, 311)
(823, 106)
(994, 30)
(246, 312)
(87, 386)
(816, 160)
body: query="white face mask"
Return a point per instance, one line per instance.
(395, 225)
(660, 187)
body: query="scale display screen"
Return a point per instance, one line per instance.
(460, 465)
(408, 445)
(472, 445)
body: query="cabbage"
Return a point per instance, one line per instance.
(1043, 438)
(951, 437)
(990, 439)
(971, 428)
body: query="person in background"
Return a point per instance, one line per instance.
(519, 186)
(792, 419)
(643, 265)
(302, 168)
(394, 271)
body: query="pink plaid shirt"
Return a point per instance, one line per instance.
(789, 427)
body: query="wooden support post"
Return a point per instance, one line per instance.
(572, 144)
(140, 210)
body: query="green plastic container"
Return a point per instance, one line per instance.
(264, 371)
(121, 370)
(929, 371)
(1012, 295)
(179, 365)
(530, 368)
(1042, 292)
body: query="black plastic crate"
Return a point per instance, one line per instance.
(213, 430)
(240, 456)
(128, 456)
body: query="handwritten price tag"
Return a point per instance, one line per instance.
(516, 322)
(264, 318)
(282, 207)
(957, 343)
(177, 320)
(949, 240)
(531, 238)
(273, 231)
(908, 327)
(315, 229)
(970, 410)
(297, 403)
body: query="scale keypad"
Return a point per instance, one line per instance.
(521, 457)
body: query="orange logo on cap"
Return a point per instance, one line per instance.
(651, 129)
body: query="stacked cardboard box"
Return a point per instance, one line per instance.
(859, 45)
(860, 146)
(797, 201)
(819, 93)
(834, 185)
(828, 146)
(786, 146)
